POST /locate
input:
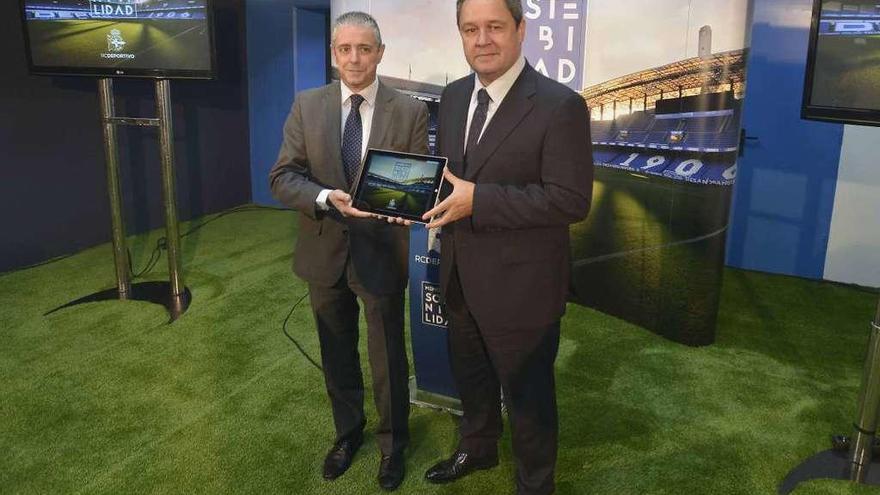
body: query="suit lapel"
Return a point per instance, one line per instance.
(333, 126)
(516, 105)
(457, 125)
(381, 116)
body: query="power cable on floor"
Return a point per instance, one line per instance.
(162, 243)
(295, 343)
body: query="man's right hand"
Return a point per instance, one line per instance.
(341, 200)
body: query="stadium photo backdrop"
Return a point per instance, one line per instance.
(665, 89)
(120, 37)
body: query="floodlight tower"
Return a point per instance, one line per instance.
(704, 51)
(705, 46)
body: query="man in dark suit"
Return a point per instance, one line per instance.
(521, 171)
(345, 254)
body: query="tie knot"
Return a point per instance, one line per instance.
(356, 101)
(483, 97)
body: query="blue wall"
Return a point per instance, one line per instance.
(287, 47)
(784, 194)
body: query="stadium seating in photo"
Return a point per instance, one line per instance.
(142, 4)
(705, 168)
(604, 156)
(850, 28)
(636, 121)
(148, 9)
(707, 124)
(631, 137)
(710, 141)
(602, 130)
(850, 19)
(868, 8)
(657, 138)
(691, 141)
(666, 125)
(707, 132)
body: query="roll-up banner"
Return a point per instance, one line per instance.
(433, 384)
(664, 82)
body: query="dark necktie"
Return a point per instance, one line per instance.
(352, 139)
(478, 121)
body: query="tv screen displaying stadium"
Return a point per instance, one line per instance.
(138, 38)
(843, 68)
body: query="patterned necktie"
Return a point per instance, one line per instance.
(478, 121)
(352, 139)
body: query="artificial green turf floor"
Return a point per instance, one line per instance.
(107, 398)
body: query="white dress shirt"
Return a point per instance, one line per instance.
(367, 109)
(497, 90)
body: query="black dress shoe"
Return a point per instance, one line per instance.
(391, 471)
(339, 458)
(457, 466)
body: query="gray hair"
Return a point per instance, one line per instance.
(357, 19)
(514, 6)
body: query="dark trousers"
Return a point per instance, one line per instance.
(519, 361)
(336, 313)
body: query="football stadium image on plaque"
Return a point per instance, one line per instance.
(399, 184)
(141, 38)
(843, 68)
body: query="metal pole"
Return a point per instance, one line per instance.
(111, 155)
(169, 190)
(869, 405)
(877, 316)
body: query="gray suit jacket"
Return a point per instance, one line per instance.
(311, 160)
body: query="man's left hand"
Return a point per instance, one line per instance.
(459, 204)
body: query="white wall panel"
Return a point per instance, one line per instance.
(854, 243)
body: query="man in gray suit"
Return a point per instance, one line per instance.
(345, 254)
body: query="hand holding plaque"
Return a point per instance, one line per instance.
(397, 187)
(341, 200)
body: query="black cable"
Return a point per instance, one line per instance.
(297, 344)
(155, 256)
(42, 263)
(161, 245)
(237, 209)
(162, 242)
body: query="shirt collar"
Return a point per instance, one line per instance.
(369, 93)
(499, 88)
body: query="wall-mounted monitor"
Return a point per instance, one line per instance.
(843, 64)
(120, 38)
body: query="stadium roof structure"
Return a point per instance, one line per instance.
(415, 88)
(719, 70)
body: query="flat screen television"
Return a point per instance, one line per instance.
(843, 63)
(120, 38)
